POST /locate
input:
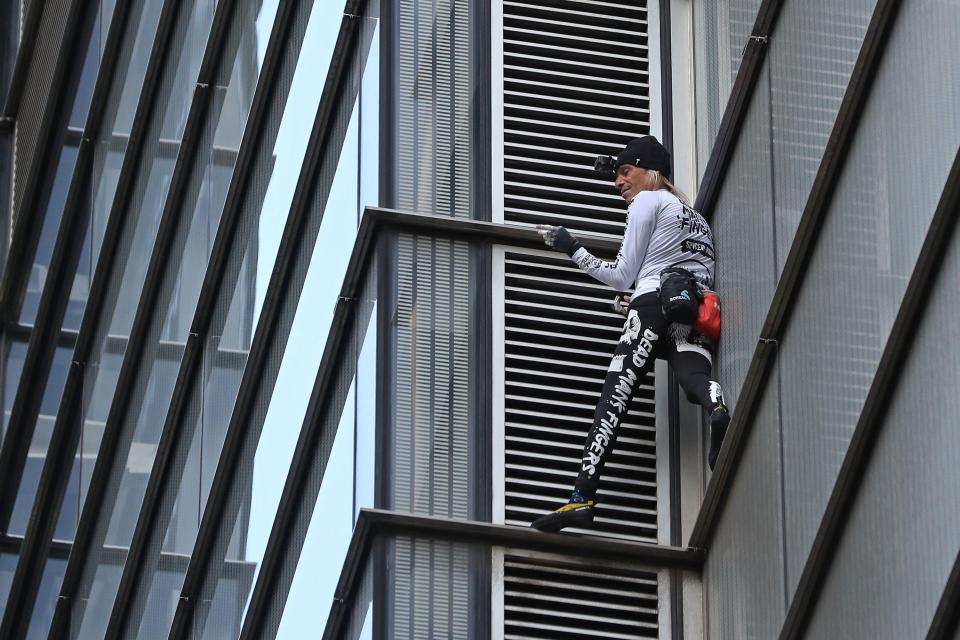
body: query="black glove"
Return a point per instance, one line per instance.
(559, 238)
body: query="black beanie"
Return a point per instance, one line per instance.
(646, 153)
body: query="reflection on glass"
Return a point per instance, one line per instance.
(37, 454)
(143, 211)
(46, 598)
(720, 32)
(48, 234)
(8, 564)
(160, 364)
(91, 64)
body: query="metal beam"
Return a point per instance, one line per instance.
(323, 151)
(271, 94)
(42, 169)
(946, 620)
(68, 425)
(374, 524)
(158, 286)
(873, 416)
(298, 499)
(735, 113)
(21, 67)
(795, 269)
(46, 333)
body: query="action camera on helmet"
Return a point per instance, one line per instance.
(606, 165)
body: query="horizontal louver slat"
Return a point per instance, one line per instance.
(546, 599)
(576, 84)
(552, 379)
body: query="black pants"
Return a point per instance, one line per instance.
(645, 338)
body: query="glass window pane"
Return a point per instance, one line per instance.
(867, 249)
(720, 33)
(226, 350)
(160, 364)
(48, 234)
(37, 454)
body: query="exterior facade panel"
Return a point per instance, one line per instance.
(244, 399)
(915, 477)
(872, 236)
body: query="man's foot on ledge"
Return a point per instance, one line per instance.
(572, 514)
(718, 421)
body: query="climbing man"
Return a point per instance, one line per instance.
(667, 256)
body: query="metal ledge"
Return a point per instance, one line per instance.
(281, 548)
(373, 524)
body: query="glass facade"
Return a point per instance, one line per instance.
(248, 401)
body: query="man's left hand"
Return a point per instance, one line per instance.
(558, 238)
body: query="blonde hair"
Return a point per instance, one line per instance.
(660, 182)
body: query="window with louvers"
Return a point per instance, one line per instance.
(575, 85)
(559, 333)
(551, 600)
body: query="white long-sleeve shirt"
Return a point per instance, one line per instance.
(661, 232)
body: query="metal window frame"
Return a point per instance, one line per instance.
(871, 423)
(40, 174)
(376, 524)
(946, 620)
(156, 505)
(795, 268)
(147, 324)
(269, 334)
(66, 431)
(741, 95)
(21, 66)
(283, 548)
(46, 334)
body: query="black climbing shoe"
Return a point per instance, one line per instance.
(572, 514)
(718, 421)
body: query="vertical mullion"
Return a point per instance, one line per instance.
(44, 338)
(66, 430)
(160, 494)
(283, 291)
(794, 271)
(29, 217)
